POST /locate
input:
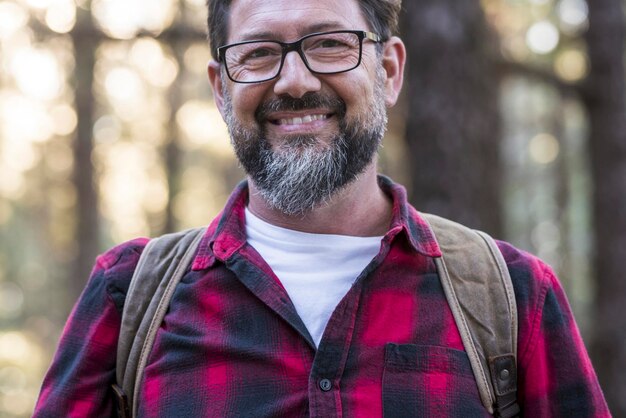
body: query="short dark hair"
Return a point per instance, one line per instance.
(382, 16)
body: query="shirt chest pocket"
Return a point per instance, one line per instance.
(429, 381)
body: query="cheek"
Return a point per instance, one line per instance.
(243, 104)
(358, 96)
(246, 100)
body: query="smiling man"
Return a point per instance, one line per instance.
(306, 125)
(318, 291)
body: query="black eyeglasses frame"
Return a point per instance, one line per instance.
(297, 46)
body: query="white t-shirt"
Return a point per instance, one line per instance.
(317, 270)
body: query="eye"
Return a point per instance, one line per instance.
(253, 52)
(259, 53)
(330, 43)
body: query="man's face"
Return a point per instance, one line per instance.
(302, 137)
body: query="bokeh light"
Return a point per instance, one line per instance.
(38, 4)
(573, 15)
(544, 148)
(542, 37)
(12, 18)
(61, 15)
(123, 19)
(19, 349)
(24, 119)
(124, 88)
(156, 67)
(11, 184)
(37, 73)
(197, 57)
(203, 126)
(107, 128)
(64, 119)
(132, 184)
(200, 199)
(571, 65)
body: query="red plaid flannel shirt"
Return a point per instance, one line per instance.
(232, 344)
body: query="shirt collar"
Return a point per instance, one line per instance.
(408, 221)
(227, 233)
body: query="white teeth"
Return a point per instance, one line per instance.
(299, 121)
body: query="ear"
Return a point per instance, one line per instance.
(394, 60)
(215, 79)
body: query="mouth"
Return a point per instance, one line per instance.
(289, 120)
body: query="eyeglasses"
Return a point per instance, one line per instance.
(322, 53)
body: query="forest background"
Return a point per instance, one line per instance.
(513, 120)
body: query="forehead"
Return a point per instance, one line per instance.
(288, 19)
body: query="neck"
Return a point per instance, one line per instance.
(359, 209)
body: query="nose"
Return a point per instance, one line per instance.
(295, 79)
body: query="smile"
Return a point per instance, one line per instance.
(300, 120)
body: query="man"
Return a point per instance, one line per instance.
(317, 270)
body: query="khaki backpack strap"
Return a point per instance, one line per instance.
(478, 288)
(161, 266)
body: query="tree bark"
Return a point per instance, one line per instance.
(604, 98)
(452, 127)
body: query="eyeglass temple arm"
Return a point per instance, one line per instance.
(373, 36)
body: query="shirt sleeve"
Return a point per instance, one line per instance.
(556, 377)
(78, 382)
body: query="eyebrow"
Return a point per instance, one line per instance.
(318, 27)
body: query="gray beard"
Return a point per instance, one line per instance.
(302, 174)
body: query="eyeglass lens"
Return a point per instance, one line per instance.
(325, 53)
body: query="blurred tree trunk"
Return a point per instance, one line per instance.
(452, 128)
(604, 96)
(173, 154)
(87, 223)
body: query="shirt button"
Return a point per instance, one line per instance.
(325, 385)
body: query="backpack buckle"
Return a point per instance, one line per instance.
(123, 409)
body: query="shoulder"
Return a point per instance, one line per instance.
(528, 272)
(120, 255)
(535, 285)
(114, 269)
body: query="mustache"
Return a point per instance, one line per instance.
(308, 101)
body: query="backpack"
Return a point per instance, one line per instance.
(472, 271)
